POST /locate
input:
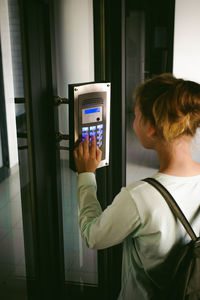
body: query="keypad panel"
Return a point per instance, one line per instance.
(97, 131)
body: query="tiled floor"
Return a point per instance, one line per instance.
(12, 261)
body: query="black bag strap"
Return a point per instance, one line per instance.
(173, 206)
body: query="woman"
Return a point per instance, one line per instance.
(167, 115)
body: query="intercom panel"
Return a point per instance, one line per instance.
(90, 115)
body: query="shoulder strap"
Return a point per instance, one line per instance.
(173, 206)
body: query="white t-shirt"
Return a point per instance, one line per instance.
(141, 219)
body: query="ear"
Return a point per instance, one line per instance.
(151, 130)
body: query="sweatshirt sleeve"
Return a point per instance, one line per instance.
(103, 229)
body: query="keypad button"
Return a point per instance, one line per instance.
(92, 128)
(100, 126)
(100, 132)
(92, 133)
(84, 135)
(85, 129)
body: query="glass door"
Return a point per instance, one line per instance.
(14, 167)
(29, 253)
(56, 43)
(58, 49)
(84, 43)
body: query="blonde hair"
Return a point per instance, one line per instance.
(172, 105)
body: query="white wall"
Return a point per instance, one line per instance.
(74, 40)
(75, 48)
(8, 82)
(187, 40)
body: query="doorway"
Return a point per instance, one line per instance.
(149, 51)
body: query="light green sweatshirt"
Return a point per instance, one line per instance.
(141, 219)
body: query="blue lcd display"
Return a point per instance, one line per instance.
(92, 110)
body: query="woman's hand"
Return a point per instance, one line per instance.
(86, 159)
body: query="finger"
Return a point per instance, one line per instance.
(93, 147)
(98, 154)
(80, 149)
(76, 153)
(86, 145)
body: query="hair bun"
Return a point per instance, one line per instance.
(171, 104)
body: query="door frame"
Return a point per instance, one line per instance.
(109, 43)
(48, 281)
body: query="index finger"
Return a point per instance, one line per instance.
(93, 147)
(75, 153)
(86, 145)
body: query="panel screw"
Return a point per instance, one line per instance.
(108, 85)
(75, 89)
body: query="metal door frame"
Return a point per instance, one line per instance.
(46, 207)
(109, 26)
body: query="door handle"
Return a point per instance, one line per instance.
(61, 137)
(59, 100)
